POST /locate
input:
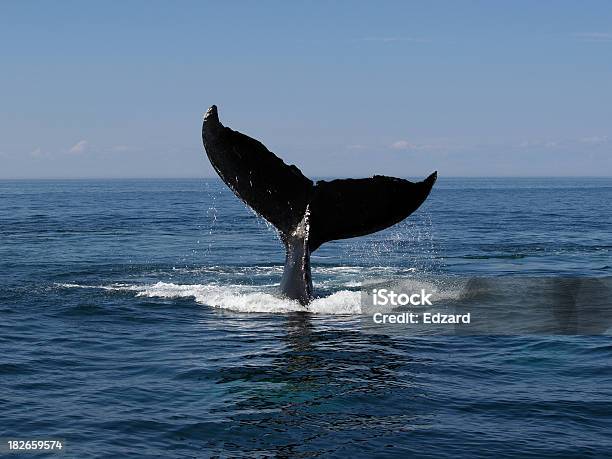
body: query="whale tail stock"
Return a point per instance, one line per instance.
(306, 214)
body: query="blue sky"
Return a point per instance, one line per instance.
(118, 89)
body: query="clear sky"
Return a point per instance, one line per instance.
(118, 88)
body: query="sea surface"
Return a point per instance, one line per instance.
(140, 318)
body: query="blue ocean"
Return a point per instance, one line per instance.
(140, 318)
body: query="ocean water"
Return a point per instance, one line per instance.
(140, 319)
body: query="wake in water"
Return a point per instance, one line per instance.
(517, 305)
(341, 290)
(238, 298)
(241, 299)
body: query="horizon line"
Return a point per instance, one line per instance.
(208, 177)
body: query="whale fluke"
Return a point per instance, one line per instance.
(306, 214)
(346, 208)
(276, 191)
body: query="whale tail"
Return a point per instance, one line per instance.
(306, 214)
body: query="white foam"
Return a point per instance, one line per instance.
(238, 298)
(115, 287)
(342, 302)
(228, 294)
(235, 298)
(352, 284)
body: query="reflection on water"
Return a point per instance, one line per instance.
(329, 381)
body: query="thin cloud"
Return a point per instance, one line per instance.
(79, 147)
(567, 143)
(401, 145)
(595, 140)
(38, 153)
(594, 37)
(539, 144)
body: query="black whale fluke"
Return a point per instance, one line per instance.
(306, 214)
